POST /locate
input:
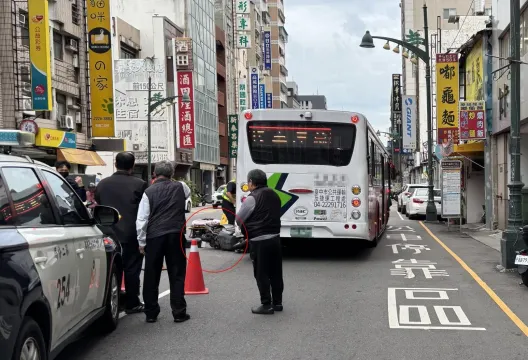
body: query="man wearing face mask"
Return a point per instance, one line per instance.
(260, 217)
(64, 167)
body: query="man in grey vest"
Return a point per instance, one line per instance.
(161, 219)
(260, 214)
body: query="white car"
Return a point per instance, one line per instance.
(417, 204)
(188, 204)
(406, 193)
(217, 196)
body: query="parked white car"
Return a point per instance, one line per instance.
(217, 196)
(403, 197)
(417, 204)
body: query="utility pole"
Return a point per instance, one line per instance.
(149, 132)
(509, 236)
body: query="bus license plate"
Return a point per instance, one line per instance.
(301, 232)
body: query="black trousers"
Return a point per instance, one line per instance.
(168, 247)
(230, 215)
(132, 263)
(267, 268)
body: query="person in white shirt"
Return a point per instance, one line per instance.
(160, 221)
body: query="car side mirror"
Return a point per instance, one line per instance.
(106, 215)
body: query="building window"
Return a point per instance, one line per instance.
(127, 52)
(24, 27)
(57, 46)
(449, 12)
(61, 105)
(76, 13)
(504, 49)
(487, 11)
(182, 60)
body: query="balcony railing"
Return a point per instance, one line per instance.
(220, 69)
(221, 98)
(283, 34)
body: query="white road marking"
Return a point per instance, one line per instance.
(163, 294)
(398, 315)
(401, 217)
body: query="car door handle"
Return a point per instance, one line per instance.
(41, 259)
(79, 251)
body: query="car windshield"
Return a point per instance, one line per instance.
(220, 188)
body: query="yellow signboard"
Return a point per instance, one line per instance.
(101, 79)
(447, 97)
(56, 139)
(474, 73)
(39, 54)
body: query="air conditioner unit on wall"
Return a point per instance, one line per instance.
(66, 122)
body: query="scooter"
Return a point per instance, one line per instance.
(521, 260)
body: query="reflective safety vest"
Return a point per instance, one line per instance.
(224, 193)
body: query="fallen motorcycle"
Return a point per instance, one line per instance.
(221, 237)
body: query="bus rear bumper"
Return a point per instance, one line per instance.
(324, 230)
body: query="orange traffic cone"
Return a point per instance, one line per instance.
(194, 281)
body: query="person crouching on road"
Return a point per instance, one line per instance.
(160, 220)
(261, 213)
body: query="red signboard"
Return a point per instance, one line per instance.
(185, 111)
(472, 120)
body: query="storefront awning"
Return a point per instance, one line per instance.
(81, 157)
(470, 149)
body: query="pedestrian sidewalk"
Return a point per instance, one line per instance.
(490, 238)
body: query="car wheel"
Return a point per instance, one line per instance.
(108, 322)
(30, 342)
(188, 208)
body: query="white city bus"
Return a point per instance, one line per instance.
(329, 168)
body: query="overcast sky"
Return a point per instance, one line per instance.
(323, 53)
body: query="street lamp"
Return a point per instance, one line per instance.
(185, 98)
(367, 42)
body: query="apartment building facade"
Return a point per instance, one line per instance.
(312, 102)
(279, 39)
(62, 130)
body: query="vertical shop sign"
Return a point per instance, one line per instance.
(39, 54)
(262, 96)
(409, 123)
(472, 120)
(186, 135)
(242, 94)
(233, 136)
(254, 76)
(269, 100)
(267, 50)
(101, 77)
(447, 98)
(243, 24)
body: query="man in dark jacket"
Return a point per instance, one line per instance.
(64, 167)
(123, 191)
(160, 220)
(261, 213)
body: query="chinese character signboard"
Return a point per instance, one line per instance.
(183, 60)
(242, 94)
(472, 120)
(233, 136)
(131, 107)
(269, 100)
(186, 138)
(101, 82)
(39, 54)
(396, 94)
(243, 24)
(409, 123)
(267, 50)
(447, 98)
(262, 96)
(254, 76)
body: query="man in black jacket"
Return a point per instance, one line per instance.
(123, 191)
(160, 220)
(261, 213)
(64, 167)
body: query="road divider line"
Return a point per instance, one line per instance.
(401, 217)
(502, 305)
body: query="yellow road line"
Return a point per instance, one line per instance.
(520, 324)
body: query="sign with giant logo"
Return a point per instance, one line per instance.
(101, 74)
(39, 55)
(56, 139)
(254, 78)
(409, 122)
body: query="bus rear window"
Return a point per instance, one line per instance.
(301, 142)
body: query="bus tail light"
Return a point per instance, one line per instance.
(356, 215)
(418, 201)
(300, 191)
(354, 119)
(356, 202)
(356, 189)
(244, 187)
(248, 115)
